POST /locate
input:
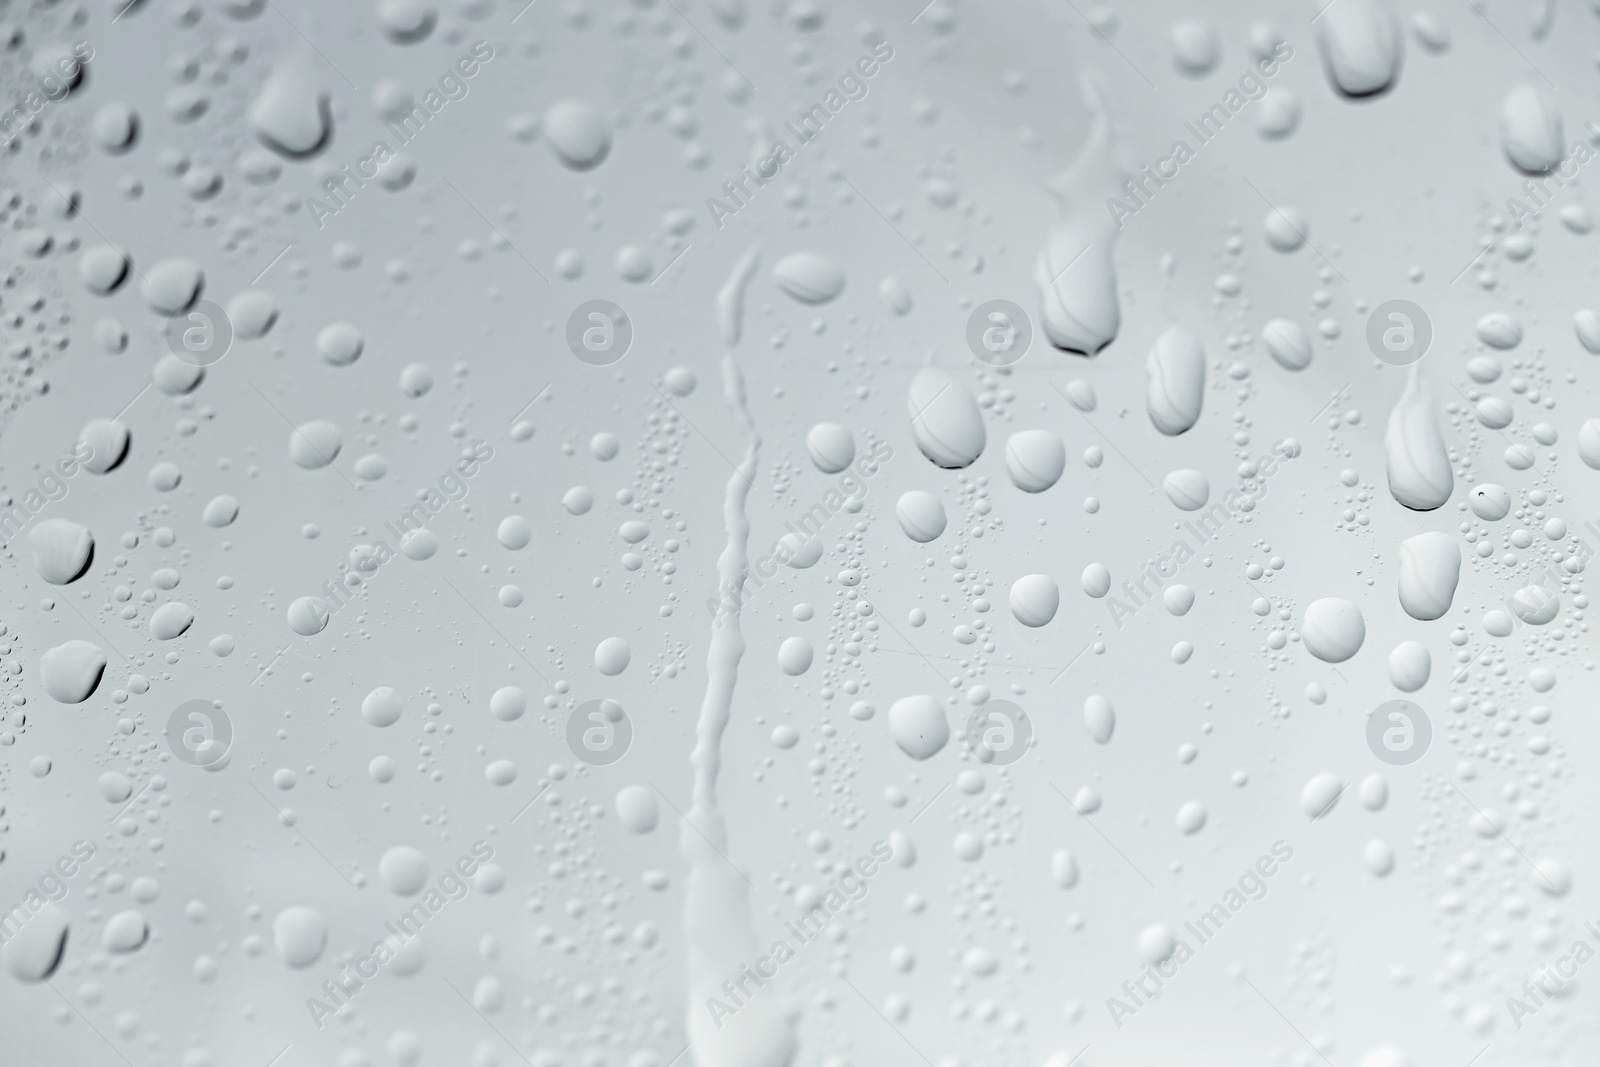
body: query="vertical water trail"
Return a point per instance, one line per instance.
(730, 298)
(716, 911)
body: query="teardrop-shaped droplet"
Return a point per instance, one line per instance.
(1360, 43)
(290, 114)
(945, 419)
(1075, 274)
(1176, 381)
(1530, 129)
(1420, 476)
(1430, 567)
